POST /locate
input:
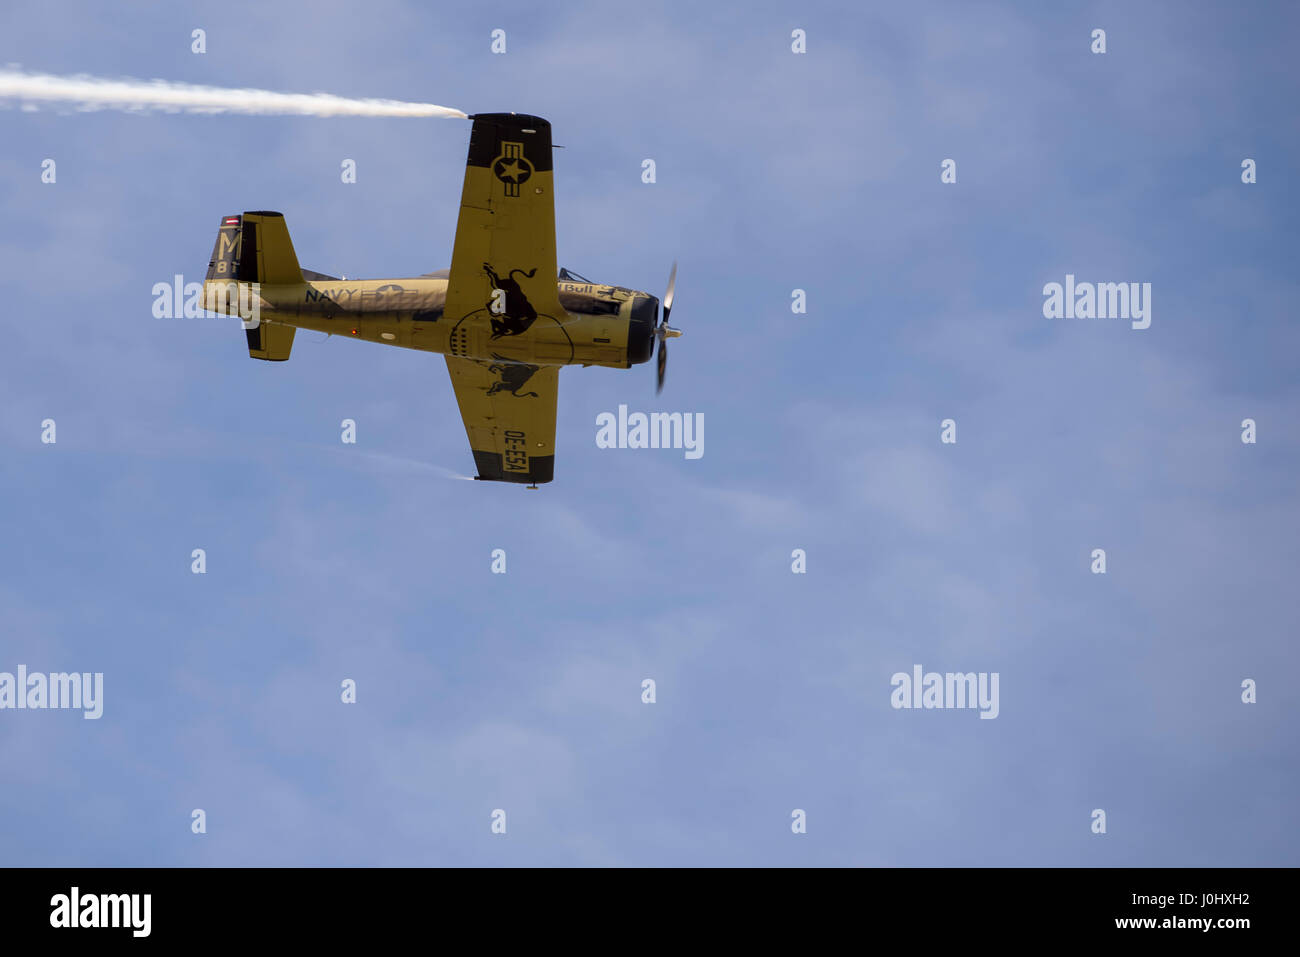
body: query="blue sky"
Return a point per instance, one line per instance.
(523, 691)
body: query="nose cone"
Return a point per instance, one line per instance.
(641, 329)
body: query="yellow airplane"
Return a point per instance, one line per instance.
(501, 314)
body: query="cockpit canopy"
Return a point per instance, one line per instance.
(566, 275)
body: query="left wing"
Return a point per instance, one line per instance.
(505, 233)
(509, 413)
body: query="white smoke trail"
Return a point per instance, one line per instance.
(93, 93)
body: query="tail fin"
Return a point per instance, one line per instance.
(255, 247)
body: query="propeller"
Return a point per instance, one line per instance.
(664, 331)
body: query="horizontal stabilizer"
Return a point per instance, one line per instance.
(270, 341)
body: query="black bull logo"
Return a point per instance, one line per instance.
(518, 313)
(513, 377)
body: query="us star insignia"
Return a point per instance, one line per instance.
(512, 167)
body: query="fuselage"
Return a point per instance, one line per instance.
(600, 325)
